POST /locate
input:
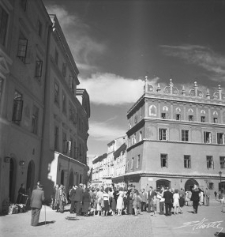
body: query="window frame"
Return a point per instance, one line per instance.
(164, 160)
(187, 161)
(184, 135)
(22, 47)
(222, 162)
(34, 120)
(163, 135)
(209, 162)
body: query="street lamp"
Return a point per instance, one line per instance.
(220, 174)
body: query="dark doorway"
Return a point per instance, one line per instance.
(12, 179)
(30, 176)
(189, 184)
(62, 177)
(71, 180)
(162, 183)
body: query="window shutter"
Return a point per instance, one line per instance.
(17, 110)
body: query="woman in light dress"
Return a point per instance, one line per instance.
(99, 197)
(120, 204)
(176, 204)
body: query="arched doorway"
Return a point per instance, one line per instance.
(189, 184)
(162, 183)
(62, 177)
(30, 176)
(71, 179)
(12, 179)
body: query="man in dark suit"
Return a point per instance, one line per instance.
(168, 201)
(72, 199)
(37, 198)
(151, 194)
(78, 198)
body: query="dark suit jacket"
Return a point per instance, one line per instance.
(150, 196)
(72, 194)
(168, 197)
(37, 198)
(78, 195)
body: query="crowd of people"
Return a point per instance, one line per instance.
(115, 200)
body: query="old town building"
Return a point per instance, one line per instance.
(176, 138)
(104, 165)
(23, 47)
(67, 110)
(43, 115)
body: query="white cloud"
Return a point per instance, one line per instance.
(110, 89)
(85, 49)
(200, 56)
(105, 131)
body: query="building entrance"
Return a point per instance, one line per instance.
(30, 177)
(71, 180)
(12, 179)
(190, 184)
(162, 183)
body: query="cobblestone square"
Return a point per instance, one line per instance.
(211, 219)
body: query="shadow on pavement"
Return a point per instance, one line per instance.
(71, 218)
(45, 223)
(219, 234)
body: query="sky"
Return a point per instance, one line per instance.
(116, 43)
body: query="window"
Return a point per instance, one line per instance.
(140, 136)
(63, 103)
(222, 162)
(135, 141)
(187, 162)
(17, 107)
(215, 120)
(4, 17)
(64, 69)
(207, 137)
(56, 95)
(211, 186)
(209, 162)
(56, 138)
(190, 118)
(69, 146)
(203, 119)
(38, 67)
(64, 143)
(39, 28)
(164, 160)
(138, 161)
(132, 163)
(35, 120)
(220, 138)
(163, 115)
(162, 134)
(184, 135)
(23, 4)
(152, 110)
(56, 56)
(22, 48)
(178, 116)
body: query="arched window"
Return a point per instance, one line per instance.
(152, 110)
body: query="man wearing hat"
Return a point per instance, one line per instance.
(37, 198)
(78, 198)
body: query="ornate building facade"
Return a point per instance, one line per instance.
(176, 138)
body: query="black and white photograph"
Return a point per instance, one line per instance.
(112, 118)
